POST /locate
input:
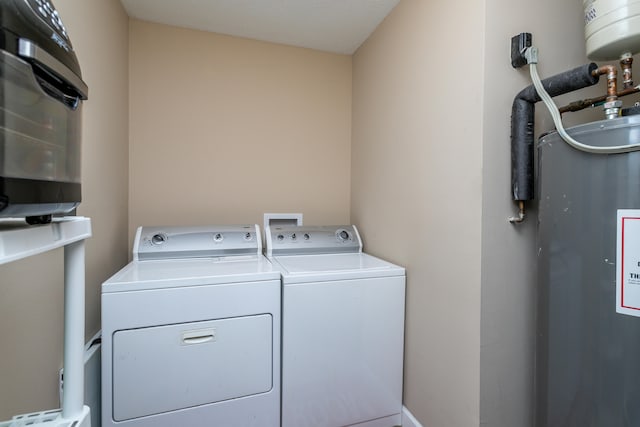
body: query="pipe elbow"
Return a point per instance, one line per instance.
(612, 80)
(520, 218)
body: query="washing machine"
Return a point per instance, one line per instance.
(191, 331)
(342, 330)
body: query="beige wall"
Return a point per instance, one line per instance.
(224, 129)
(416, 190)
(31, 292)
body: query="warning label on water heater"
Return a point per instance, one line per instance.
(628, 262)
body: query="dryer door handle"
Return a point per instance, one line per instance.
(199, 336)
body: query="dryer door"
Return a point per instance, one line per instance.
(166, 368)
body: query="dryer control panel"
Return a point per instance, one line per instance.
(196, 242)
(299, 240)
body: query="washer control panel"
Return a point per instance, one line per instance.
(196, 242)
(298, 240)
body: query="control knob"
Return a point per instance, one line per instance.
(158, 239)
(343, 235)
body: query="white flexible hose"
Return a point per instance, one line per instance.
(557, 120)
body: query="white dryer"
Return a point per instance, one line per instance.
(191, 331)
(343, 329)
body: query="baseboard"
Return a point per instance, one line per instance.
(408, 420)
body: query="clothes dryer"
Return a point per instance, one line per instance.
(191, 331)
(343, 329)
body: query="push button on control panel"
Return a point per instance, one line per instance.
(50, 15)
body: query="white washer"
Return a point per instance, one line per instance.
(343, 329)
(191, 331)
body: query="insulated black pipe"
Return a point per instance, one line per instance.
(522, 122)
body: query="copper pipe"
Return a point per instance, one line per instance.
(587, 103)
(612, 80)
(520, 218)
(625, 63)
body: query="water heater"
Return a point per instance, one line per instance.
(588, 341)
(612, 28)
(588, 250)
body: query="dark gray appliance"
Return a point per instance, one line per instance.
(41, 93)
(588, 355)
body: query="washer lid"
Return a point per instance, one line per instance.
(329, 267)
(171, 273)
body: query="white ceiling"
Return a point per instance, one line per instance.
(339, 26)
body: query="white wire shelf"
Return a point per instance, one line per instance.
(19, 240)
(51, 418)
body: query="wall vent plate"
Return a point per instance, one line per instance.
(282, 219)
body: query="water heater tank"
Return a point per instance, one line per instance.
(587, 351)
(612, 28)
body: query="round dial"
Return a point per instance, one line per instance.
(343, 235)
(158, 239)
